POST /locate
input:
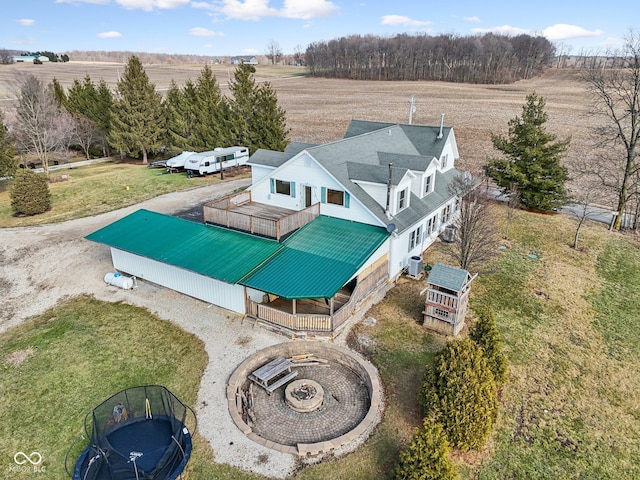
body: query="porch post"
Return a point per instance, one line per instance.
(293, 305)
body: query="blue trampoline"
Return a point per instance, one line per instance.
(137, 434)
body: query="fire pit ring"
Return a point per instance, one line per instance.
(304, 395)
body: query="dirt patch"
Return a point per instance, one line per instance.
(17, 358)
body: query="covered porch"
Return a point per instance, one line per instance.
(320, 315)
(239, 212)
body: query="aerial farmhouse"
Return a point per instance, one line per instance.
(319, 230)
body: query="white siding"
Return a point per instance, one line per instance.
(303, 170)
(193, 284)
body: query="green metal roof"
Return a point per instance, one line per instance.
(318, 259)
(446, 276)
(216, 252)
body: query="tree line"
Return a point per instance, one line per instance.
(487, 59)
(135, 120)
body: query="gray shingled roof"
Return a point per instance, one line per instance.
(363, 155)
(448, 277)
(270, 158)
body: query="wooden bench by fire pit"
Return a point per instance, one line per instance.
(274, 374)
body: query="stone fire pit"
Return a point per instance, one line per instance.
(304, 395)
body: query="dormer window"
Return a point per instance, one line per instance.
(402, 199)
(428, 185)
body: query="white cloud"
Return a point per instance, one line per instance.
(149, 5)
(400, 20)
(504, 30)
(256, 9)
(27, 22)
(307, 9)
(472, 19)
(562, 31)
(109, 34)
(201, 32)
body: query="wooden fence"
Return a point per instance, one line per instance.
(322, 323)
(220, 212)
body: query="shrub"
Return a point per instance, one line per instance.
(30, 193)
(460, 393)
(427, 456)
(486, 335)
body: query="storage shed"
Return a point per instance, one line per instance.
(447, 297)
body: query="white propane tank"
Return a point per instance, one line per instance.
(118, 280)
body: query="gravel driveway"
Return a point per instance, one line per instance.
(46, 264)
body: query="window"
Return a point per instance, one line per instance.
(335, 197)
(415, 238)
(431, 225)
(283, 187)
(428, 184)
(402, 199)
(446, 214)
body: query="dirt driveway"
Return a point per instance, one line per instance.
(44, 265)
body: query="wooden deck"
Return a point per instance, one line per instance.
(241, 213)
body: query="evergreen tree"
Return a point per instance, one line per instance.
(427, 456)
(459, 391)
(211, 127)
(30, 193)
(485, 334)
(137, 120)
(532, 159)
(8, 163)
(257, 120)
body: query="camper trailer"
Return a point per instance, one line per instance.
(177, 163)
(216, 160)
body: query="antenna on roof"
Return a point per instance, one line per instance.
(441, 125)
(412, 108)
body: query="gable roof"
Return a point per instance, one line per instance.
(314, 262)
(318, 259)
(448, 277)
(226, 255)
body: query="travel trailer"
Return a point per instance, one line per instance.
(213, 161)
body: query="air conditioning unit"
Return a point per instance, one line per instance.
(415, 266)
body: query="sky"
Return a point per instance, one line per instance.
(246, 27)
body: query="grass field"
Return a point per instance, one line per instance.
(99, 188)
(570, 325)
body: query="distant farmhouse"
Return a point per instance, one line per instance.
(246, 59)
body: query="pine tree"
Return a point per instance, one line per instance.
(485, 334)
(427, 456)
(532, 159)
(459, 391)
(8, 163)
(257, 120)
(137, 120)
(30, 193)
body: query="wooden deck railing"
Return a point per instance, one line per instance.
(321, 323)
(220, 212)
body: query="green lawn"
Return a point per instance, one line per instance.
(569, 320)
(100, 188)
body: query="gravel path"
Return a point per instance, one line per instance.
(46, 264)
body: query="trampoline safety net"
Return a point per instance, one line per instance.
(138, 433)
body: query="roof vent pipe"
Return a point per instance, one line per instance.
(441, 125)
(387, 208)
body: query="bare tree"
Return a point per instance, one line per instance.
(476, 228)
(274, 52)
(615, 92)
(513, 205)
(39, 125)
